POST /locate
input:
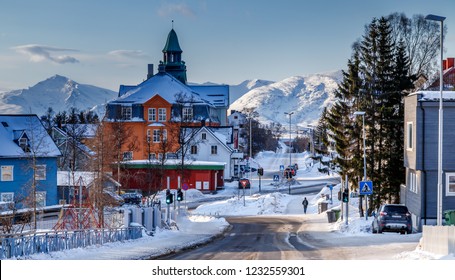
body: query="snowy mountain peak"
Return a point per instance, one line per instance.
(306, 96)
(58, 92)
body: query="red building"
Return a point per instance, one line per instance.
(151, 176)
(448, 67)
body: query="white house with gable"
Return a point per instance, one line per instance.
(216, 144)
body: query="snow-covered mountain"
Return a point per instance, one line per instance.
(58, 92)
(306, 96)
(237, 91)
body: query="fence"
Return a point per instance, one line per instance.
(24, 245)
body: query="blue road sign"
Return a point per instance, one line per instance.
(330, 187)
(366, 187)
(281, 167)
(276, 178)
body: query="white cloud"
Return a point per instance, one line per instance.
(38, 53)
(182, 9)
(135, 54)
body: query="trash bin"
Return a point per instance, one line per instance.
(449, 216)
(322, 206)
(337, 213)
(331, 216)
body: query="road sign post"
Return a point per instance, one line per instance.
(366, 189)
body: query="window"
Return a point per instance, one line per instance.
(161, 114)
(148, 136)
(204, 136)
(7, 173)
(412, 181)
(126, 113)
(450, 181)
(194, 150)
(187, 114)
(40, 199)
(160, 156)
(152, 156)
(152, 114)
(40, 172)
(214, 150)
(409, 136)
(156, 136)
(127, 155)
(23, 143)
(7, 197)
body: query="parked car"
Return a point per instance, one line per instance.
(244, 183)
(392, 217)
(132, 198)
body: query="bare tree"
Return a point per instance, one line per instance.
(422, 40)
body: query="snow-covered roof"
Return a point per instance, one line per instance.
(218, 95)
(434, 95)
(163, 84)
(13, 127)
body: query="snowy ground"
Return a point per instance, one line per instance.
(202, 224)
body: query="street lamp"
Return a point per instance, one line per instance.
(441, 83)
(290, 137)
(361, 113)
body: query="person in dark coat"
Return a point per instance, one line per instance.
(305, 205)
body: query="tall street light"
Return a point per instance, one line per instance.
(361, 113)
(290, 137)
(441, 83)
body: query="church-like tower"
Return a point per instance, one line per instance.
(172, 58)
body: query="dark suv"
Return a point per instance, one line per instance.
(392, 217)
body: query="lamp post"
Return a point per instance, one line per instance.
(361, 113)
(290, 137)
(441, 83)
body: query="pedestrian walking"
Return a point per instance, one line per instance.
(305, 205)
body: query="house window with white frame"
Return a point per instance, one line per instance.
(204, 136)
(214, 150)
(450, 184)
(7, 197)
(161, 114)
(40, 172)
(187, 114)
(156, 135)
(7, 173)
(128, 155)
(194, 150)
(148, 136)
(40, 199)
(127, 113)
(164, 136)
(152, 114)
(409, 136)
(412, 181)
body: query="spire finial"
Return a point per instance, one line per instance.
(172, 24)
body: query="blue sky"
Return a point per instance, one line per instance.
(108, 43)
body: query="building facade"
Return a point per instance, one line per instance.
(28, 162)
(421, 155)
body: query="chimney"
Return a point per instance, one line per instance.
(150, 71)
(448, 63)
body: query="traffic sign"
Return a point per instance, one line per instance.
(276, 178)
(281, 167)
(330, 187)
(366, 187)
(185, 186)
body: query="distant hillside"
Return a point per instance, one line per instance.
(305, 96)
(58, 92)
(237, 91)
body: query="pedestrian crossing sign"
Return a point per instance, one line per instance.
(366, 187)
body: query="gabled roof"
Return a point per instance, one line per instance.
(39, 140)
(162, 84)
(216, 133)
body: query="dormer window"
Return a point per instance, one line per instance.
(23, 143)
(204, 136)
(187, 114)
